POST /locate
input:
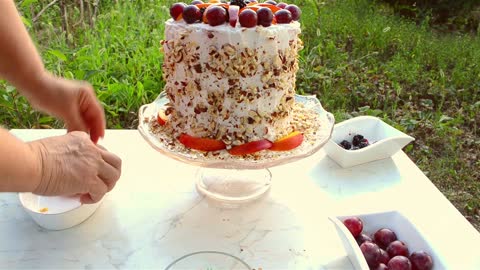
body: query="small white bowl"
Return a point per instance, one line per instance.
(405, 230)
(57, 212)
(384, 141)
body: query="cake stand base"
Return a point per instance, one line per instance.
(232, 188)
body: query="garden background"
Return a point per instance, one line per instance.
(415, 64)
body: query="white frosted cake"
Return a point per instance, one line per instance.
(232, 84)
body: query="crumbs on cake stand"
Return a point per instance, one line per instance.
(305, 120)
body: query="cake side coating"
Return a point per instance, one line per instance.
(232, 84)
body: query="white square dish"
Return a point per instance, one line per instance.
(405, 230)
(384, 141)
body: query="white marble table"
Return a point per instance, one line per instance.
(154, 216)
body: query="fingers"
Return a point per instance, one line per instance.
(92, 113)
(109, 175)
(96, 193)
(110, 169)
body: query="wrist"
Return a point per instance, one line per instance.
(37, 159)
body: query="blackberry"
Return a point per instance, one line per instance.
(357, 139)
(240, 3)
(363, 143)
(346, 144)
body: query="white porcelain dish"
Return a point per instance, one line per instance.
(57, 212)
(384, 141)
(405, 230)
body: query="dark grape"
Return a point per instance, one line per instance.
(295, 10)
(177, 9)
(283, 16)
(248, 18)
(271, 2)
(197, 2)
(191, 14)
(265, 16)
(216, 15)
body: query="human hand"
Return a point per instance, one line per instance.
(72, 164)
(72, 101)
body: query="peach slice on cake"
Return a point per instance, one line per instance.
(250, 147)
(289, 142)
(161, 118)
(201, 144)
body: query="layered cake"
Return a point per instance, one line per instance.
(230, 71)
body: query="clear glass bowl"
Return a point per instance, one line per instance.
(209, 260)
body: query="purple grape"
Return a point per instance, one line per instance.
(265, 16)
(271, 2)
(197, 2)
(191, 14)
(177, 9)
(248, 18)
(283, 16)
(216, 15)
(295, 10)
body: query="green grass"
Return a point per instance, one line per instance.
(359, 59)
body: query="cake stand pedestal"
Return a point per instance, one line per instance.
(232, 181)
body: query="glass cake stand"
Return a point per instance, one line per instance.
(232, 180)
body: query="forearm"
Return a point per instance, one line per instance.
(19, 168)
(20, 63)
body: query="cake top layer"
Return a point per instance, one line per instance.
(280, 35)
(236, 13)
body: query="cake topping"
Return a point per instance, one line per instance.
(248, 18)
(283, 16)
(216, 13)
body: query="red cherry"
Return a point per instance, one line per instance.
(397, 248)
(177, 9)
(371, 252)
(282, 5)
(295, 10)
(248, 18)
(283, 16)
(399, 263)
(265, 16)
(354, 225)
(191, 14)
(216, 15)
(383, 237)
(421, 260)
